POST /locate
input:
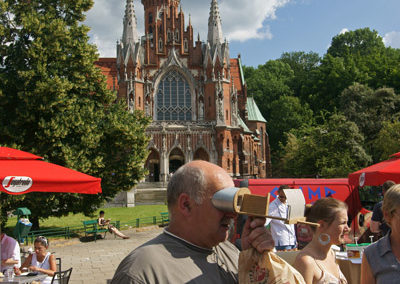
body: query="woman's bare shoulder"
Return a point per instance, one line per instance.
(304, 257)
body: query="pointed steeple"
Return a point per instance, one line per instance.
(130, 34)
(214, 25)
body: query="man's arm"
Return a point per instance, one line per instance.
(256, 235)
(376, 219)
(374, 226)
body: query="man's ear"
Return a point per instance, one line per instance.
(185, 204)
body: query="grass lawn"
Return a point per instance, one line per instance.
(122, 214)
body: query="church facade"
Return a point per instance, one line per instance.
(193, 91)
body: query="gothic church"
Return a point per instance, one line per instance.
(194, 92)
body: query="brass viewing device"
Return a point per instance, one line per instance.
(241, 201)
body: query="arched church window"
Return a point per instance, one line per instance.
(139, 101)
(176, 35)
(186, 45)
(160, 44)
(227, 144)
(169, 35)
(174, 100)
(150, 29)
(150, 18)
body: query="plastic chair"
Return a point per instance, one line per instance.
(61, 277)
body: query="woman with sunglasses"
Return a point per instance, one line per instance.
(41, 261)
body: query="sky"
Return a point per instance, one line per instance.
(261, 30)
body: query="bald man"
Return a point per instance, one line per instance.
(194, 247)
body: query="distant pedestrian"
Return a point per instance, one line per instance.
(106, 223)
(284, 235)
(378, 223)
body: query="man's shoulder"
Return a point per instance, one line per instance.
(141, 261)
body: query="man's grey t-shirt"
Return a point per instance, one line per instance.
(168, 259)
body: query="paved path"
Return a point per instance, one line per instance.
(96, 262)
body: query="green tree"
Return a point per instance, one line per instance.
(332, 149)
(360, 42)
(302, 65)
(55, 103)
(369, 109)
(355, 56)
(387, 141)
(267, 83)
(286, 113)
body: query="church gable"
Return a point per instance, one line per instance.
(194, 92)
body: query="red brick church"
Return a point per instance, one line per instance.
(192, 89)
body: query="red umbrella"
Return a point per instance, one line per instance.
(377, 174)
(22, 172)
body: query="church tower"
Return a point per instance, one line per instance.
(129, 61)
(214, 25)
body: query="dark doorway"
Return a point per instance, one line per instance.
(153, 165)
(176, 160)
(201, 154)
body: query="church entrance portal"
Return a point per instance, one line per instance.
(153, 165)
(176, 159)
(201, 154)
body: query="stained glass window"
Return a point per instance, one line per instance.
(174, 101)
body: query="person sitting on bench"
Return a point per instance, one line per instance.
(112, 229)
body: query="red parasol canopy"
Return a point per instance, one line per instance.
(22, 172)
(377, 174)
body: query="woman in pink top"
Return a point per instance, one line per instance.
(317, 262)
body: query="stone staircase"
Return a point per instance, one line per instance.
(145, 193)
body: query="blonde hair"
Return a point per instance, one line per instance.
(391, 200)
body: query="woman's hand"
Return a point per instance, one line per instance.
(17, 271)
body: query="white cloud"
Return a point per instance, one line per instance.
(343, 31)
(392, 39)
(241, 20)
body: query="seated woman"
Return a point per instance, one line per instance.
(381, 260)
(106, 222)
(317, 261)
(40, 261)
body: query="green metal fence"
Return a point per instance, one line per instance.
(77, 231)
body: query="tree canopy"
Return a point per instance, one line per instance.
(54, 102)
(301, 95)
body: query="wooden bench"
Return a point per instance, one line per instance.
(91, 227)
(164, 218)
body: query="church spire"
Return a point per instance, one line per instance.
(130, 34)
(214, 25)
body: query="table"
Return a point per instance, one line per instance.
(351, 270)
(22, 279)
